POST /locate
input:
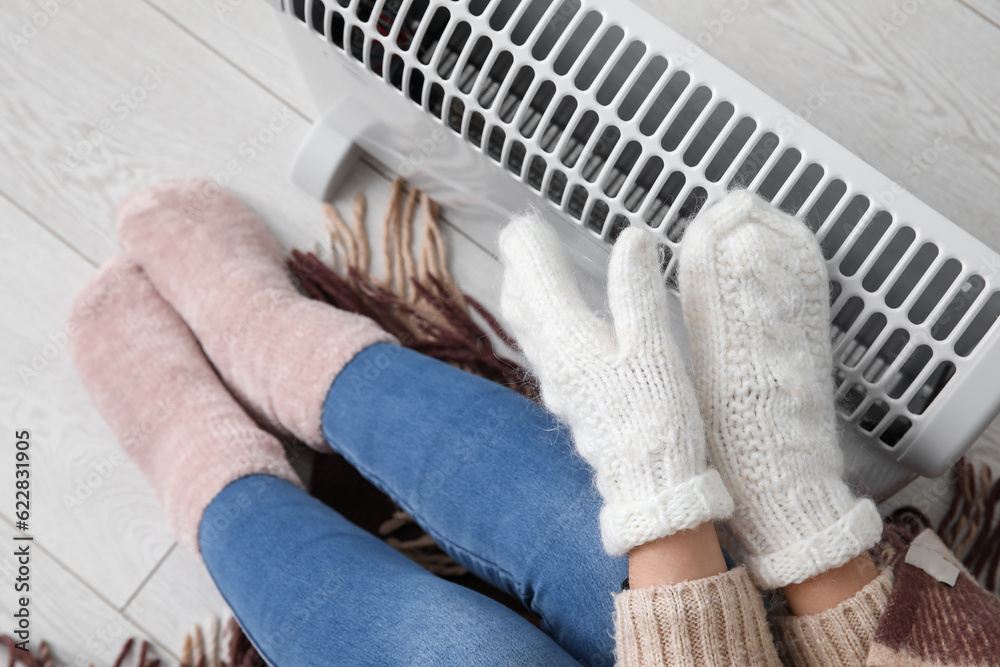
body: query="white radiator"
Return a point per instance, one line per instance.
(598, 112)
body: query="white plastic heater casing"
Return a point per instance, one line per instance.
(597, 113)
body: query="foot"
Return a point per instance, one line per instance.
(153, 385)
(215, 262)
(754, 287)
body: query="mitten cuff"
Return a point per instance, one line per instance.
(854, 533)
(627, 524)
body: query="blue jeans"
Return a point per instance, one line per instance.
(490, 475)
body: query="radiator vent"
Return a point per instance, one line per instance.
(614, 132)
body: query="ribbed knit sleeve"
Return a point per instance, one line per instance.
(715, 621)
(837, 637)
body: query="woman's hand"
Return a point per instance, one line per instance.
(754, 289)
(621, 386)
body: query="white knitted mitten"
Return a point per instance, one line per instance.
(755, 297)
(622, 387)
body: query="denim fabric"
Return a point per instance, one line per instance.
(312, 589)
(490, 475)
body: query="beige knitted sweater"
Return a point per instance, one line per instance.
(906, 617)
(721, 620)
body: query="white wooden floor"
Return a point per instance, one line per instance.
(106, 566)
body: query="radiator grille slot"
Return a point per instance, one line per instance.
(804, 186)
(890, 257)
(754, 161)
(709, 131)
(364, 9)
(623, 68)
(958, 307)
(895, 431)
(872, 232)
(979, 326)
(779, 173)
(614, 132)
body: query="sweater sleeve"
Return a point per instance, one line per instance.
(717, 621)
(837, 637)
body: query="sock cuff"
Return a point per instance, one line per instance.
(323, 342)
(185, 502)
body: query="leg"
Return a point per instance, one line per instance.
(329, 589)
(310, 588)
(492, 477)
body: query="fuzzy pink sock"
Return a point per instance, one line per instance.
(153, 385)
(214, 260)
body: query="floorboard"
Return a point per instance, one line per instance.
(988, 9)
(195, 117)
(246, 35)
(80, 626)
(98, 519)
(182, 594)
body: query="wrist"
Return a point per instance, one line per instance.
(683, 556)
(827, 590)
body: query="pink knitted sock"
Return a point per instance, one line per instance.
(170, 412)
(216, 263)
